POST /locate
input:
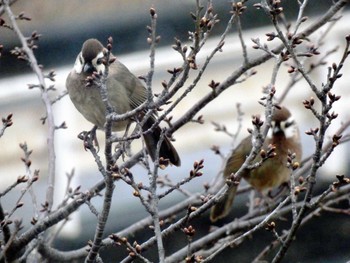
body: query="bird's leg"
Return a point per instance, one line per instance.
(125, 146)
(259, 199)
(272, 196)
(267, 201)
(89, 138)
(252, 203)
(281, 190)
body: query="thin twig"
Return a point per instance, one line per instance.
(107, 200)
(47, 102)
(249, 232)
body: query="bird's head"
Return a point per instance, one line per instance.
(283, 124)
(91, 57)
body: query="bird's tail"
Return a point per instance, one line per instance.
(167, 150)
(223, 207)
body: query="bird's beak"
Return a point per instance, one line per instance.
(88, 68)
(277, 128)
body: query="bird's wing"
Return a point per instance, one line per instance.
(134, 89)
(238, 157)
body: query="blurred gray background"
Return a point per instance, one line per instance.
(65, 25)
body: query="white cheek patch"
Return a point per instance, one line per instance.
(270, 132)
(78, 65)
(290, 128)
(96, 62)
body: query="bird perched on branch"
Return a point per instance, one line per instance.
(125, 93)
(282, 140)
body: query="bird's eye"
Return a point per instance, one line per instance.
(288, 124)
(81, 60)
(99, 61)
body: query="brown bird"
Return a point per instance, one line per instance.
(284, 135)
(125, 93)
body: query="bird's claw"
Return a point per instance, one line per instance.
(89, 139)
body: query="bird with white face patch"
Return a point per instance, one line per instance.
(125, 93)
(284, 136)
